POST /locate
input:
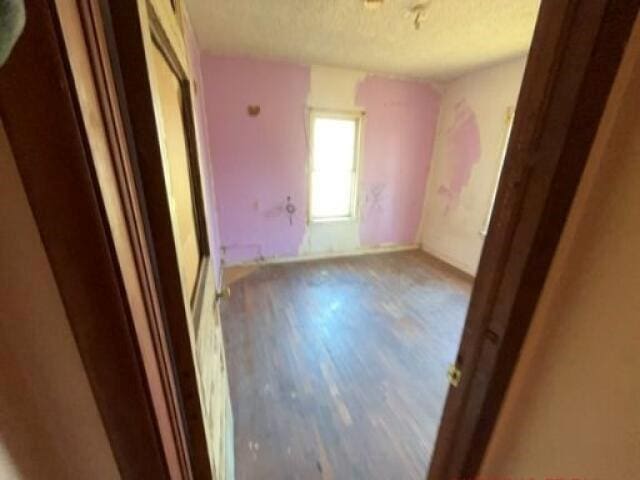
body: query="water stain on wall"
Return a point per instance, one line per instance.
(398, 137)
(462, 151)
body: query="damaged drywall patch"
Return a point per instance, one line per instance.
(330, 237)
(332, 89)
(260, 160)
(462, 151)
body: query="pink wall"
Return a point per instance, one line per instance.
(401, 119)
(259, 161)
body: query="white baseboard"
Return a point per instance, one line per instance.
(325, 255)
(463, 267)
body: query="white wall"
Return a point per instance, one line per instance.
(467, 154)
(332, 89)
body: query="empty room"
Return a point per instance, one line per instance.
(319, 239)
(355, 153)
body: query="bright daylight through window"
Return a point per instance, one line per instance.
(334, 160)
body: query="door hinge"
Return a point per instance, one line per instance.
(225, 292)
(454, 374)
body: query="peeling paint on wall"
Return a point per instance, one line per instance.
(332, 89)
(462, 152)
(260, 161)
(466, 159)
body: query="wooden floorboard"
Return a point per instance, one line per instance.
(337, 367)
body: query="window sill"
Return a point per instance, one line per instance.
(333, 220)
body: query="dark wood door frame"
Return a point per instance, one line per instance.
(124, 25)
(43, 121)
(576, 51)
(61, 113)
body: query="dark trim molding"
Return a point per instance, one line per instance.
(127, 32)
(43, 122)
(575, 55)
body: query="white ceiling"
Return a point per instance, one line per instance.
(456, 36)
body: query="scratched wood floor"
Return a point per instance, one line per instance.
(337, 367)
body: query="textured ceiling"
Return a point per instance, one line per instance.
(455, 36)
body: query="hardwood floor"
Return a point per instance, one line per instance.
(338, 367)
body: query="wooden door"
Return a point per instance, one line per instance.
(124, 225)
(157, 92)
(575, 54)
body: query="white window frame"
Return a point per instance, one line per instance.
(508, 123)
(358, 116)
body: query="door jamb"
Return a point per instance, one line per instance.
(112, 299)
(576, 52)
(126, 24)
(44, 125)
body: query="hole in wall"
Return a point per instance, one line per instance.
(253, 110)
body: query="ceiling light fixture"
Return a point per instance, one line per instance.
(373, 4)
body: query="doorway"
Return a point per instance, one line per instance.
(575, 55)
(411, 191)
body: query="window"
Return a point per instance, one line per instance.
(334, 161)
(503, 153)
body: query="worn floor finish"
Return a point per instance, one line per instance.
(337, 367)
